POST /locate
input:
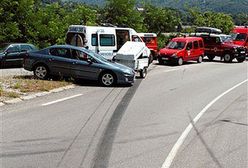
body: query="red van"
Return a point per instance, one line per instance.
(150, 40)
(182, 49)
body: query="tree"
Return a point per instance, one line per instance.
(158, 20)
(211, 19)
(122, 13)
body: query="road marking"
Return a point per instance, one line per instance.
(60, 100)
(174, 150)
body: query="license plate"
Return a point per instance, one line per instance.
(165, 58)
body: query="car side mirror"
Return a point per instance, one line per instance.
(188, 48)
(114, 58)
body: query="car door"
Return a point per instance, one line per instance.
(60, 61)
(196, 50)
(24, 48)
(189, 50)
(84, 66)
(12, 57)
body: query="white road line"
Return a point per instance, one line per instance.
(174, 150)
(60, 100)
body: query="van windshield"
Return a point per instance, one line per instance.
(178, 45)
(239, 36)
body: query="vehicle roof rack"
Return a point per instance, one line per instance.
(209, 30)
(107, 25)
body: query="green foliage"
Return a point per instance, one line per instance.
(157, 19)
(212, 19)
(122, 13)
(45, 22)
(39, 23)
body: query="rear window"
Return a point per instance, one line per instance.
(196, 45)
(149, 40)
(107, 40)
(60, 52)
(26, 48)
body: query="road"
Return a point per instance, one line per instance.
(191, 116)
(14, 71)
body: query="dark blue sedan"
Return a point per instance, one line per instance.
(79, 63)
(11, 55)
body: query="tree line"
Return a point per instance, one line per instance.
(45, 23)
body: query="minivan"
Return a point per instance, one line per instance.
(182, 49)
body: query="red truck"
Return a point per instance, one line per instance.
(150, 40)
(220, 45)
(240, 36)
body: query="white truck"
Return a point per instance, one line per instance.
(134, 55)
(103, 40)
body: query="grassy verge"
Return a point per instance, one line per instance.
(14, 87)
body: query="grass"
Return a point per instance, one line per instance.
(13, 87)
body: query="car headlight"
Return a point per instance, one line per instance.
(127, 72)
(174, 55)
(235, 50)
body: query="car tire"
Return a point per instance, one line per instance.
(199, 60)
(211, 57)
(228, 58)
(143, 73)
(150, 59)
(240, 59)
(41, 71)
(179, 61)
(107, 79)
(160, 62)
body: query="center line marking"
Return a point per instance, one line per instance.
(180, 141)
(60, 100)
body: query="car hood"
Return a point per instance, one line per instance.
(169, 52)
(230, 45)
(119, 66)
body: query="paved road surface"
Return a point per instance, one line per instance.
(14, 71)
(135, 127)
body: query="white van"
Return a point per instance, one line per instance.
(103, 40)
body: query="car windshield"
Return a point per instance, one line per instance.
(3, 47)
(238, 36)
(176, 45)
(226, 38)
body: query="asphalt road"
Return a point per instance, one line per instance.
(192, 116)
(14, 71)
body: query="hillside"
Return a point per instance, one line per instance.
(227, 6)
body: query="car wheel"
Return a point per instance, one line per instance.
(143, 73)
(228, 58)
(199, 60)
(150, 59)
(107, 79)
(41, 72)
(160, 62)
(180, 61)
(210, 57)
(241, 59)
